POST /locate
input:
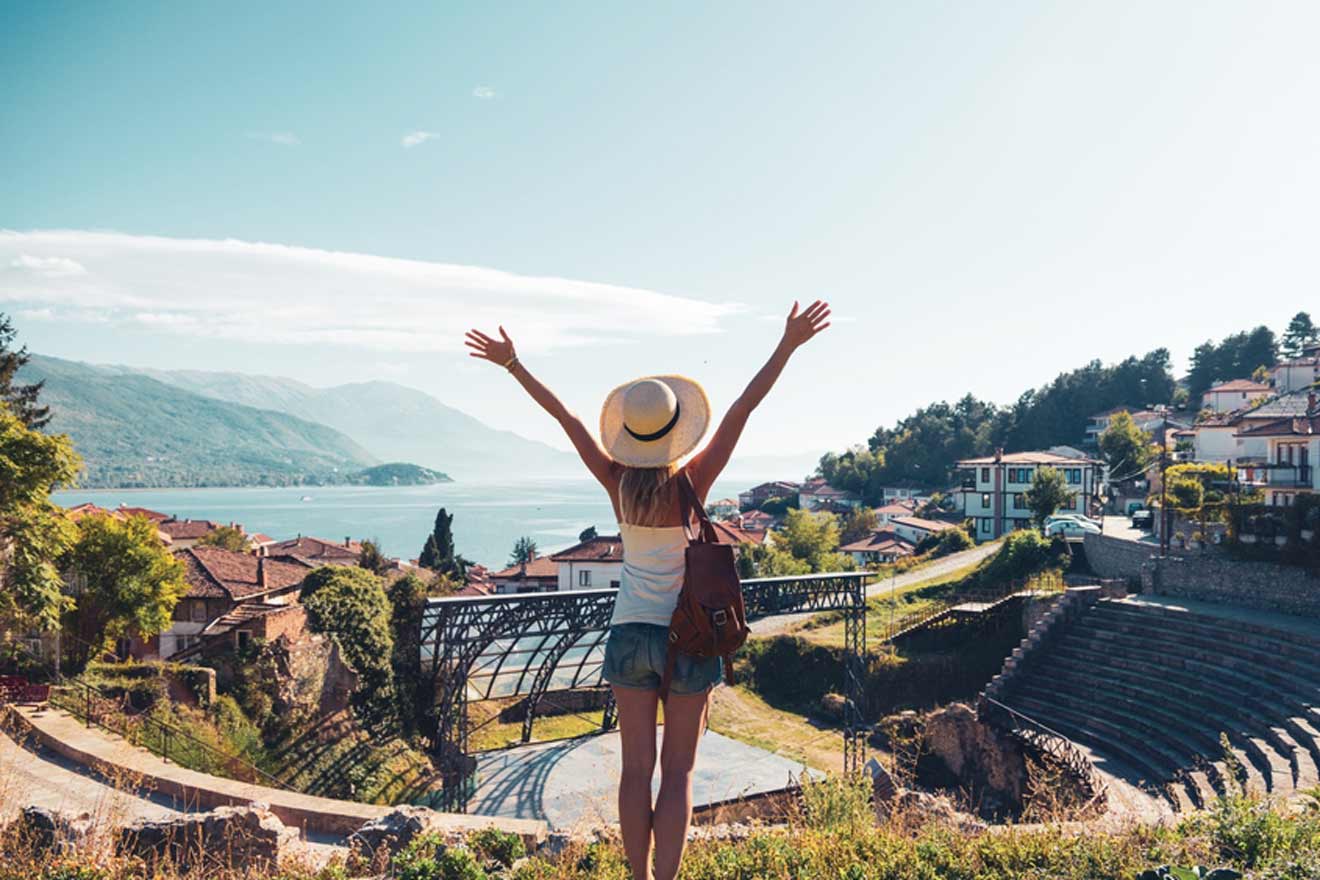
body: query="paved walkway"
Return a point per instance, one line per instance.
(1288, 622)
(574, 783)
(771, 626)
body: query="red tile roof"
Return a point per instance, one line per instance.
(897, 508)
(213, 572)
(187, 529)
(154, 515)
(728, 533)
(602, 548)
(318, 550)
(87, 508)
(1305, 426)
(928, 525)
(540, 567)
(1240, 385)
(882, 541)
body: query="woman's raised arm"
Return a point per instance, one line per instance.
(707, 464)
(500, 351)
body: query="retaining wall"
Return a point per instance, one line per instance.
(1268, 586)
(1111, 557)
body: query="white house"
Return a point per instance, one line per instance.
(723, 509)
(916, 528)
(594, 564)
(817, 493)
(1152, 421)
(1298, 373)
(883, 545)
(541, 575)
(887, 512)
(1292, 453)
(1234, 395)
(1228, 436)
(995, 486)
(905, 490)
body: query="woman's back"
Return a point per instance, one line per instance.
(653, 562)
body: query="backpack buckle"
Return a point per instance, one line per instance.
(720, 617)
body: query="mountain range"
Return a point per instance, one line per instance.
(160, 428)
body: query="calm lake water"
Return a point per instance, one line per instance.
(488, 516)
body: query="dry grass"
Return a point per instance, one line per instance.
(741, 714)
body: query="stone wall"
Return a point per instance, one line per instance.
(1111, 557)
(1264, 585)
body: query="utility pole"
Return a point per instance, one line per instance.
(1164, 487)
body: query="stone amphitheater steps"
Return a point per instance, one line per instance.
(1154, 685)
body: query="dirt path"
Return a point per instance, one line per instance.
(773, 626)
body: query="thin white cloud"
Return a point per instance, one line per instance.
(283, 138)
(50, 267)
(416, 138)
(43, 314)
(271, 293)
(485, 93)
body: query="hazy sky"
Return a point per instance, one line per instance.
(988, 192)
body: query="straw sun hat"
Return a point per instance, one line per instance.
(654, 421)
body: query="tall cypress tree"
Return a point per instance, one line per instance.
(438, 552)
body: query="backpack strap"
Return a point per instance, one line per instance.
(728, 669)
(692, 509)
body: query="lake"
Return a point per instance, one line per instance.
(488, 516)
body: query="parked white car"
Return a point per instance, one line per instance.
(1071, 528)
(1074, 516)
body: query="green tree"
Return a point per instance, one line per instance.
(371, 559)
(226, 538)
(859, 522)
(587, 534)
(22, 399)
(767, 560)
(34, 533)
(1125, 447)
(407, 597)
(812, 537)
(952, 541)
(124, 580)
(350, 604)
(438, 552)
(524, 550)
(1301, 333)
(1048, 492)
(1234, 357)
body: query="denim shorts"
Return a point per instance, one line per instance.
(635, 658)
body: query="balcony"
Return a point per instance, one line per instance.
(1278, 476)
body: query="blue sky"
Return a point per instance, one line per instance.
(989, 193)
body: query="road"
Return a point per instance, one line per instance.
(772, 626)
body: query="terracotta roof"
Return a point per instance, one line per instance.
(213, 572)
(187, 529)
(929, 525)
(317, 550)
(475, 588)
(825, 490)
(602, 548)
(883, 540)
(1305, 426)
(1240, 385)
(87, 508)
(154, 515)
(540, 567)
(258, 538)
(1026, 458)
(896, 508)
(776, 484)
(725, 502)
(727, 533)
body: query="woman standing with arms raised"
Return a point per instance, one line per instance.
(646, 427)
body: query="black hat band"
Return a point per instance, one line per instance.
(655, 435)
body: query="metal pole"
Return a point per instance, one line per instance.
(1164, 489)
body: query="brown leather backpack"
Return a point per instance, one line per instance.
(710, 619)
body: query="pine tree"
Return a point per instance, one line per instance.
(1301, 333)
(22, 399)
(523, 551)
(586, 534)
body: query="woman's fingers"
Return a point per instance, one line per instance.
(479, 335)
(504, 335)
(793, 312)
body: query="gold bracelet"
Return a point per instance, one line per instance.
(511, 363)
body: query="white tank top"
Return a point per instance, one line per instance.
(653, 562)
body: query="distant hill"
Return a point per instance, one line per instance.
(133, 431)
(394, 422)
(398, 473)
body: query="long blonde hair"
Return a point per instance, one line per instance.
(647, 495)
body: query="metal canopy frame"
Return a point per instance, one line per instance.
(529, 644)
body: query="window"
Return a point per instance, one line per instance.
(244, 638)
(198, 610)
(985, 500)
(1074, 475)
(984, 523)
(1019, 501)
(614, 585)
(584, 578)
(985, 475)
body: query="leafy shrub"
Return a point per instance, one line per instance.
(350, 604)
(1023, 553)
(427, 858)
(504, 847)
(952, 541)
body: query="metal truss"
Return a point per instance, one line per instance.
(529, 644)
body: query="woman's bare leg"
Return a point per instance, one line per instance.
(637, 710)
(685, 720)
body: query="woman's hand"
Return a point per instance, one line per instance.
(801, 327)
(497, 351)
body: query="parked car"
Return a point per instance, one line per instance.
(1071, 528)
(1074, 516)
(1143, 519)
